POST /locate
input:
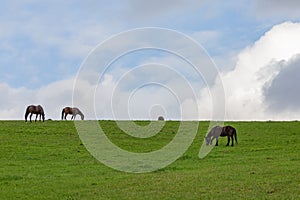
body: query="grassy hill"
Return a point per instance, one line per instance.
(48, 161)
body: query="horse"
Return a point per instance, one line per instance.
(37, 110)
(219, 131)
(71, 111)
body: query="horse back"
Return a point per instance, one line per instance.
(31, 109)
(215, 131)
(228, 131)
(68, 110)
(35, 109)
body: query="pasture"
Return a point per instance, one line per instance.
(48, 161)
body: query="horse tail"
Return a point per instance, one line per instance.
(62, 114)
(235, 135)
(26, 113)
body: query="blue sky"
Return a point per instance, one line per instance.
(39, 32)
(43, 43)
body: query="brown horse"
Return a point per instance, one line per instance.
(71, 111)
(219, 131)
(37, 110)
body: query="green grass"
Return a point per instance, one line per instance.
(48, 161)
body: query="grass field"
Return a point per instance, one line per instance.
(48, 161)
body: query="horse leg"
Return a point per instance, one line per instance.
(36, 116)
(228, 140)
(30, 116)
(217, 141)
(232, 140)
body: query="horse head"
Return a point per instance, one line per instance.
(43, 116)
(208, 140)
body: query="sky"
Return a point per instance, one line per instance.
(249, 62)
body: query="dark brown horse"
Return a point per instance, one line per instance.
(71, 111)
(37, 110)
(219, 131)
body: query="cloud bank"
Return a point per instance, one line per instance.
(263, 85)
(254, 86)
(282, 94)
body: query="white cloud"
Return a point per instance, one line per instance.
(172, 72)
(244, 86)
(52, 97)
(138, 93)
(13, 101)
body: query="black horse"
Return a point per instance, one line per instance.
(37, 110)
(219, 131)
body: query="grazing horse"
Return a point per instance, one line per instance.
(37, 110)
(71, 111)
(219, 131)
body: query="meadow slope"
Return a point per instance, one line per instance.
(48, 161)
